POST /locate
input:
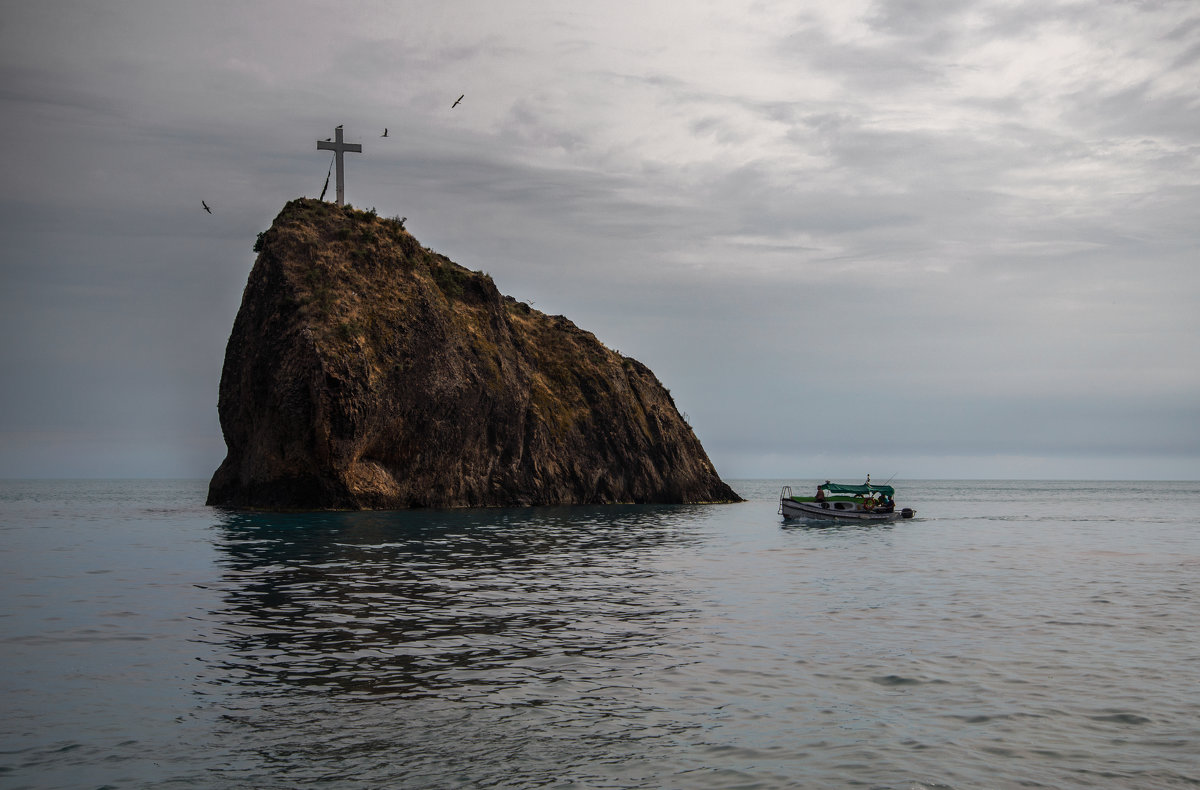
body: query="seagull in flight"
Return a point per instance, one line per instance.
(206, 208)
(456, 101)
(384, 132)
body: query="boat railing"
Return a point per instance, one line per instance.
(785, 493)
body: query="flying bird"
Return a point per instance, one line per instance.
(206, 208)
(384, 132)
(456, 101)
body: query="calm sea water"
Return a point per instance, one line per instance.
(1015, 634)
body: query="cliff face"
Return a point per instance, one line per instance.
(364, 371)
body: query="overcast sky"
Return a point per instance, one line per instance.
(929, 238)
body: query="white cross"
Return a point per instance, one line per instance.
(338, 147)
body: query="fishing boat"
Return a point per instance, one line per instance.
(866, 502)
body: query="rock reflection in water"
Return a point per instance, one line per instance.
(507, 630)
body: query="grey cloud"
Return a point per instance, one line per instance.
(852, 250)
(874, 68)
(925, 23)
(1139, 109)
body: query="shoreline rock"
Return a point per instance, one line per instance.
(365, 371)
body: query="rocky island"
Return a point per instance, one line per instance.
(365, 371)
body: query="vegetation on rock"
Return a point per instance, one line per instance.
(366, 371)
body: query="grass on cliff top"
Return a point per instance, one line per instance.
(356, 273)
(364, 283)
(344, 246)
(358, 277)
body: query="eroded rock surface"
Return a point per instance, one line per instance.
(367, 372)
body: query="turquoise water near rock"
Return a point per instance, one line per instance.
(1014, 634)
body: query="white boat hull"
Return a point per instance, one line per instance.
(838, 510)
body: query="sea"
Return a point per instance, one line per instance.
(1015, 634)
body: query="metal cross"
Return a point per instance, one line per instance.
(338, 147)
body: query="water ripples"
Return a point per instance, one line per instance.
(1013, 636)
(445, 608)
(475, 640)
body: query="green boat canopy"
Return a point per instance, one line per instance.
(838, 488)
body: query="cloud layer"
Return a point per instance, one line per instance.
(950, 239)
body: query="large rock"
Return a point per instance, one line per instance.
(365, 371)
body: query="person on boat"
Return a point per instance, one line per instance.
(889, 505)
(820, 497)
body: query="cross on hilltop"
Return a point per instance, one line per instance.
(338, 148)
